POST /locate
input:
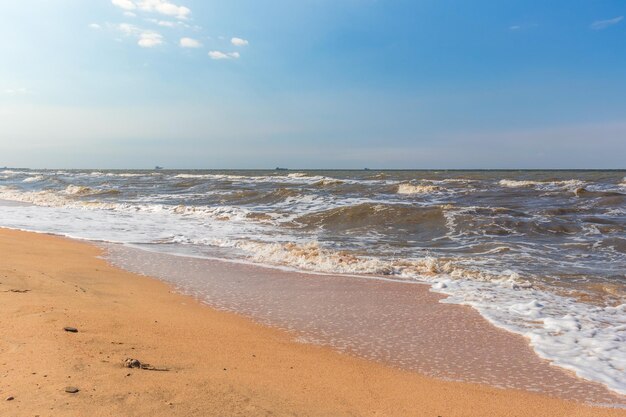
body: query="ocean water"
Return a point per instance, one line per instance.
(539, 253)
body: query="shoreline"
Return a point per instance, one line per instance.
(389, 322)
(220, 363)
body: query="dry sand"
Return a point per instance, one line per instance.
(220, 364)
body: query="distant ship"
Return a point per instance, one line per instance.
(282, 169)
(158, 167)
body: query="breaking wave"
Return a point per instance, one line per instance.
(567, 184)
(374, 216)
(406, 188)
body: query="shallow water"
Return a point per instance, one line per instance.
(540, 253)
(400, 323)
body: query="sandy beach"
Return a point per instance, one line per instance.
(218, 364)
(312, 208)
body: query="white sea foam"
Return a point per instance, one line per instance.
(454, 180)
(586, 339)
(77, 190)
(65, 199)
(9, 173)
(406, 188)
(517, 183)
(547, 185)
(35, 178)
(293, 178)
(126, 174)
(328, 181)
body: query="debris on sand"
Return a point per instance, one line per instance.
(135, 363)
(71, 329)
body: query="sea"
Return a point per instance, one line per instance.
(538, 253)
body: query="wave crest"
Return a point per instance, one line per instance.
(372, 216)
(407, 188)
(573, 184)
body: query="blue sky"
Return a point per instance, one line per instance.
(313, 83)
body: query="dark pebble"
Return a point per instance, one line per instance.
(10, 398)
(71, 390)
(71, 329)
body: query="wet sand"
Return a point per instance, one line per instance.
(401, 324)
(220, 364)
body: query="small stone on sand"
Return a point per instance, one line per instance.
(71, 329)
(10, 398)
(132, 363)
(71, 390)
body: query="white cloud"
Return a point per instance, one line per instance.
(124, 4)
(217, 55)
(168, 23)
(603, 24)
(223, 55)
(95, 26)
(128, 29)
(154, 6)
(239, 42)
(145, 38)
(189, 43)
(149, 39)
(129, 14)
(164, 7)
(515, 27)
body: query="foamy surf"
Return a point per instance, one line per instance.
(526, 251)
(417, 189)
(567, 184)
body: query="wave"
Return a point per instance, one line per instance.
(12, 172)
(406, 188)
(583, 192)
(276, 196)
(311, 256)
(36, 178)
(186, 184)
(568, 184)
(372, 216)
(83, 191)
(126, 175)
(293, 178)
(327, 182)
(206, 176)
(454, 180)
(67, 199)
(78, 190)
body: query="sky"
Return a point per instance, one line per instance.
(313, 84)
